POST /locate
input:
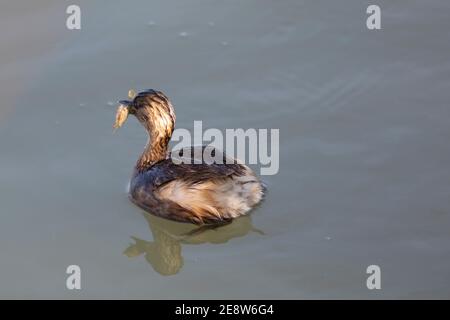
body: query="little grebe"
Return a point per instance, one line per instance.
(200, 193)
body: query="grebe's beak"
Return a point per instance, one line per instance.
(121, 115)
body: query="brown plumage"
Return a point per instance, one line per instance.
(201, 193)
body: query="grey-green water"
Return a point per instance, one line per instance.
(364, 147)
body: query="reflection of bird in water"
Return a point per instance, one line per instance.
(164, 252)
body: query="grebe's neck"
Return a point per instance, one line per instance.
(155, 112)
(155, 150)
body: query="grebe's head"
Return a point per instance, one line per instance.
(153, 110)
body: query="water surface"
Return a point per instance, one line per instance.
(364, 155)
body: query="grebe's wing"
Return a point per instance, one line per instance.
(208, 191)
(189, 165)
